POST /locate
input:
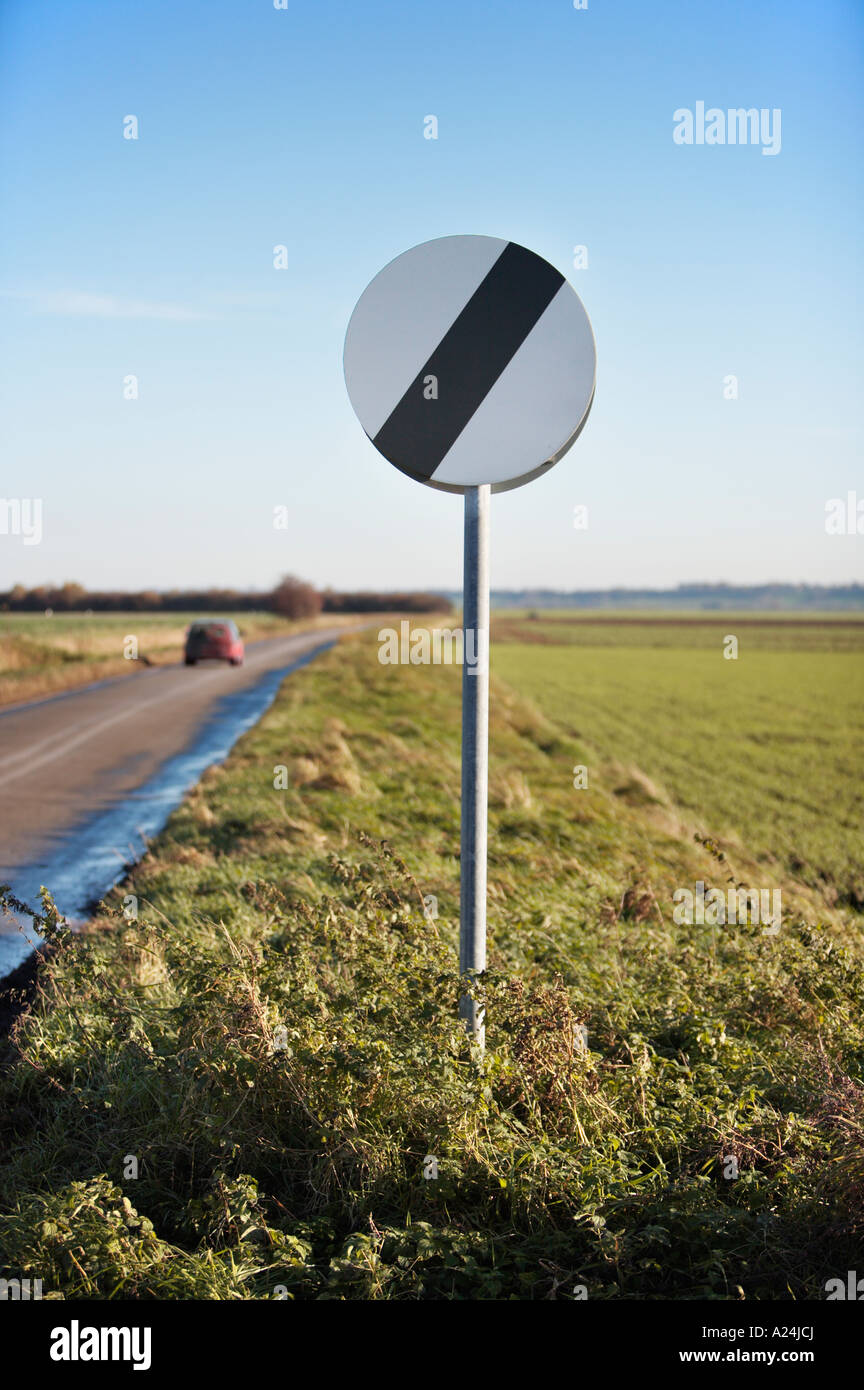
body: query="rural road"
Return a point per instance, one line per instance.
(85, 774)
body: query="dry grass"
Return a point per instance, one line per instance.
(42, 656)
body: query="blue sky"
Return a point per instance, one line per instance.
(304, 127)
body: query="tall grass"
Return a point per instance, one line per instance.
(275, 1041)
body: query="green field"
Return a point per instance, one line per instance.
(763, 752)
(274, 1040)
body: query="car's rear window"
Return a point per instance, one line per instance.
(210, 630)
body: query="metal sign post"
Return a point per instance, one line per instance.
(470, 364)
(475, 751)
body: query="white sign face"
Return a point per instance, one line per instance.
(470, 360)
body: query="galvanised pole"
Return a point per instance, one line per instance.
(475, 750)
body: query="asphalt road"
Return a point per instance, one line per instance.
(65, 759)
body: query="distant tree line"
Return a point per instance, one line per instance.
(291, 597)
(761, 597)
(367, 601)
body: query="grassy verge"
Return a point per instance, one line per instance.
(272, 1044)
(42, 655)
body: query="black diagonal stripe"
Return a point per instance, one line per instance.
(469, 360)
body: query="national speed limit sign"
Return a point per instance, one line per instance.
(470, 360)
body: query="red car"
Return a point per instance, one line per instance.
(217, 640)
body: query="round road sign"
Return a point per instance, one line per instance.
(470, 360)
